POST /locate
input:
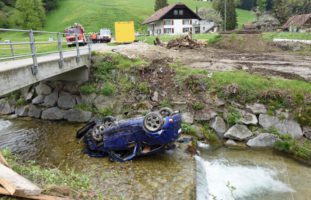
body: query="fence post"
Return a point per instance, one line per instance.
(89, 48)
(34, 68)
(12, 50)
(60, 49)
(77, 47)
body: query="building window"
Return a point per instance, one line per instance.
(181, 12)
(186, 21)
(168, 31)
(175, 12)
(186, 30)
(168, 22)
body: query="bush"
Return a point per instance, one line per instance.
(188, 129)
(87, 89)
(108, 89)
(106, 112)
(303, 116)
(233, 116)
(143, 87)
(198, 106)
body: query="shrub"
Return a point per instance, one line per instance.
(198, 106)
(87, 89)
(108, 89)
(303, 116)
(165, 103)
(108, 111)
(233, 116)
(188, 129)
(143, 87)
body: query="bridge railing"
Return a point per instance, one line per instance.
(31, 43)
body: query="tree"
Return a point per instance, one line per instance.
(262, 4)
(31, 13)
(50, 4)
(160, 4)
(211, 15)
(230, 22)
(283, 9)
(246, 4)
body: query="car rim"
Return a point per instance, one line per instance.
(153, 122)
(165, 112)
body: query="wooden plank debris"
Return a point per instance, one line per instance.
(3, 161)
(36, 197)
(15, 184)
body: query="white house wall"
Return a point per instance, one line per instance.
(178, 26)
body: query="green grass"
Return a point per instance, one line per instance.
(45, 178)
(95, 14)
(286, 35)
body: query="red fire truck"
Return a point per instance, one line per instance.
(73, 31)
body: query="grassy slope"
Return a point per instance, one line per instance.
(95, 14)
(286, 35)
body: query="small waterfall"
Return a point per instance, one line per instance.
(222, 180)
(4, 124)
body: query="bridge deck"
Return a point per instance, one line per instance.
(13, 64)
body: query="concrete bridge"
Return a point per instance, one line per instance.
(18, 71)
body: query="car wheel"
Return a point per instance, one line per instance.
(153, 122)
(81, 132)
(165, 112)
(97, 133)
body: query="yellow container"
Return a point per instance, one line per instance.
(124, 32)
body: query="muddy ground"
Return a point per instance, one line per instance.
(257, 57)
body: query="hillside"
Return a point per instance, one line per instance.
(95, 14)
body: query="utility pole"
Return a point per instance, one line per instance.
(225, 24)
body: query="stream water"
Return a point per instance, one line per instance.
(222, 174)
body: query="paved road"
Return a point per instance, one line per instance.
(46, 58)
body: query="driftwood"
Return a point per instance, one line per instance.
(3, 161)
(16, 184)
(181, 42)
(36, 197)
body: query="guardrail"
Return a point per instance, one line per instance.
(33, 44)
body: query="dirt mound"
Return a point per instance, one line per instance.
(245, 43)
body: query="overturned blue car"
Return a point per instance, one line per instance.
(124, 140)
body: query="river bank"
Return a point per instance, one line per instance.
(52, 145)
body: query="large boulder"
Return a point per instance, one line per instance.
(66, 100)
(219, 126)
(75, 115)
(187, 117)
(34, 111)
(38, 100)
(88, 98)
(307, 132)
(205, 115)
(53, 114)
(283, 126)
(239, 132)
(257, 108)
(248, 118)
(262, 140)
(43, 89)
(71, 87)
(51, 99)
(6, 108)
(101, 102)
(198, 131)
(22, 111)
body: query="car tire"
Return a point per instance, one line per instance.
(166, 112)
(81, 132)
(105, 123)
(153, 122)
